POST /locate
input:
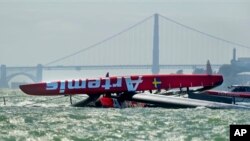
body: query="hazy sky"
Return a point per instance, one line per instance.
(39, 31)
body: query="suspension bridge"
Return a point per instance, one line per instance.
(156, 42)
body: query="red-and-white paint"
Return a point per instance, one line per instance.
(121, 84)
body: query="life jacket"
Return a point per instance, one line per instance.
(107, 102)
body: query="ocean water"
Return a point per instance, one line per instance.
(52, 118)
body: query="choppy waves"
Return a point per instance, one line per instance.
(32, 119)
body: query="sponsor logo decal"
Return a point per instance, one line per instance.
(131, 84)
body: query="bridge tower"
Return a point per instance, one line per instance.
(39, 73)
(155, 62)
(3, 77)
(233, 61)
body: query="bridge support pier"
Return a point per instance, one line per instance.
(155, 62)
(3, 77)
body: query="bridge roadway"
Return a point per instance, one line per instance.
(103, 67)
(35, 73)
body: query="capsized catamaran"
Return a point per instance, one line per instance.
(114, 91)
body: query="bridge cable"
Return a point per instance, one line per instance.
(206, 34)
(98, 43)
